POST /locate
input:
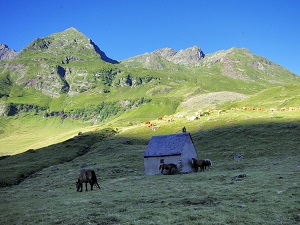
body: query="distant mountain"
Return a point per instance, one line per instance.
(7, 53)
(67, 72)
(159, 58)
(59, 63)
(70, 44)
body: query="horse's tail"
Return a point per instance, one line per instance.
(97, 185)
(193, 162)
(94, 179)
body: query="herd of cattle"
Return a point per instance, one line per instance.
(205, 113)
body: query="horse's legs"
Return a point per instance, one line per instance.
(162, 170)
(91, 183)
(202, 168)
(85, 186)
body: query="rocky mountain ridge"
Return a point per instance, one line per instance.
(6, 52)
(189, 56)
(70, 63)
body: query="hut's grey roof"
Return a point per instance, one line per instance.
(166, 145)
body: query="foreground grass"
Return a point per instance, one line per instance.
(269, 194)
(263, 197)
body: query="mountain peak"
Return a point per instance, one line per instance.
(6, 52)
(190, 55)
(72, 29)
(70, 43)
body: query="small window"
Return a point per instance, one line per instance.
(162, 160)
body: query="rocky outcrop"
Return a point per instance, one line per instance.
(166, 53)
(188, 56)
(6, 52)
(158, 58)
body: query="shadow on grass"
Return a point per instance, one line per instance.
(14, 169)
(261, 140)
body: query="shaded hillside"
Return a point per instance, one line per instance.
(259, 185)
(32, 160)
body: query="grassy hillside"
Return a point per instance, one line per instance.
(279, 97)
(268, 194)
(65, 106)
(31, 131)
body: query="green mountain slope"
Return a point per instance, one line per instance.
(66, 74)
(280, 97)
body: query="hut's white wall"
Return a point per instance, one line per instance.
(151, 164)
(188, 153)
(183, 161)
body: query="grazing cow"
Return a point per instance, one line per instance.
(87, 176)
(190, 118)
(205, 114)
(221, 111)
(179, 115)
(155, 128)
(198, 113)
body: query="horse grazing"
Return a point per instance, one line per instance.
(202, 163)
(87, 176)
(169, 167)
(208, 163)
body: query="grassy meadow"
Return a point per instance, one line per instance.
(63, 109)
(268, 194)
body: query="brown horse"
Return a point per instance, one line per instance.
(169, 167)
(202, 163)
(87, 176)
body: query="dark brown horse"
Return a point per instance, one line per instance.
(202, 163)
(169, 167)
(87, 176)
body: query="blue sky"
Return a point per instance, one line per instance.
(126, 28)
